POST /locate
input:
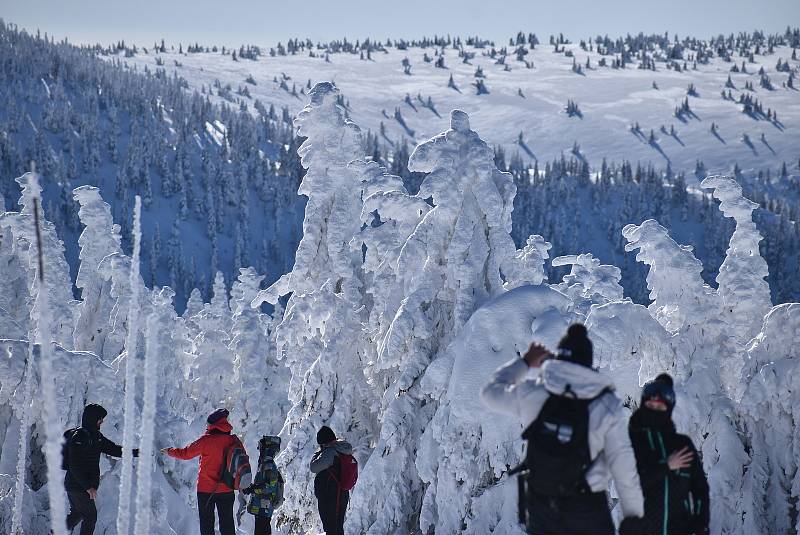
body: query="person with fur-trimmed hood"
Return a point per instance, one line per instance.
(598, 436)
(675, 489)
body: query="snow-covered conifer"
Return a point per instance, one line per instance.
(743, 289)
(461, 248)
(99, 239)
(319, 337)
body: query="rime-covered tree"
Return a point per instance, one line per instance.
(100, 238)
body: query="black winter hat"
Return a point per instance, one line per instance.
(92, 414)
(576, 346)
(662, 387)
(217, 415)
(325, 435)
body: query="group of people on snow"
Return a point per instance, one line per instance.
(578, 439)
(334, 465)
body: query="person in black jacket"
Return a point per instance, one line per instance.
(83, 448)
(326, 464)
(670, 470)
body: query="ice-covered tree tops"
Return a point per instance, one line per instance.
(334, 202)
(320, 336)
(21, 230)
(100, 238)
(458, 255)
(741, 280)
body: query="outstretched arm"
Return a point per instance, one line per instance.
(189, 452)
(113, 449)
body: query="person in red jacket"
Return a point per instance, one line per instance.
(211, 492)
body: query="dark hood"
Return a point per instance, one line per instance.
(92, 413)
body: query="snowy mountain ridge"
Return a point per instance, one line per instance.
(642, 98)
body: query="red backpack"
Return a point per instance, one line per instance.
(348, 475)
(235, 465)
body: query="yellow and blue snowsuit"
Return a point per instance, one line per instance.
(267, 489)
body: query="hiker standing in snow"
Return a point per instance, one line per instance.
(211, 490)
(673, 482)
(337, 471)
(577, 440)
(267, 488)
(81, 458)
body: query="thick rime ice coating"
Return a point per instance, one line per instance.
(497, 332)
(261, 401)
(466, 449)
(629, 344)
(320, 336)
(771, 404)
(100, 238)
(334, 197)
(678, 292)
(43, 325)
(742, 284)
(589, 282)
(459, 254)
(531, 260)
(131, 371)
(20, 225)
(157, 336)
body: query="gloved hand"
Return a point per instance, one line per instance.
(135, 452)
(631, 525)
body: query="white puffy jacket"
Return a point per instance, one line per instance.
(509, 391)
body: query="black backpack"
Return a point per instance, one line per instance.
(68, 435)
(557, 455)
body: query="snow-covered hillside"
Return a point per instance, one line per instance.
(212, 153)
(524, 110)
(218, 186)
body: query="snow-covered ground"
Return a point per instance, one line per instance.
(610, 101)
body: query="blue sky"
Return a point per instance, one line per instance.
(266, 22)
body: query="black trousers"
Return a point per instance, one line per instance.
(82, 510)
(583, 514)
(223, 502)
(331, 512)
(263, 526)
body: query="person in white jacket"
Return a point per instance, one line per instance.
(569, 374)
